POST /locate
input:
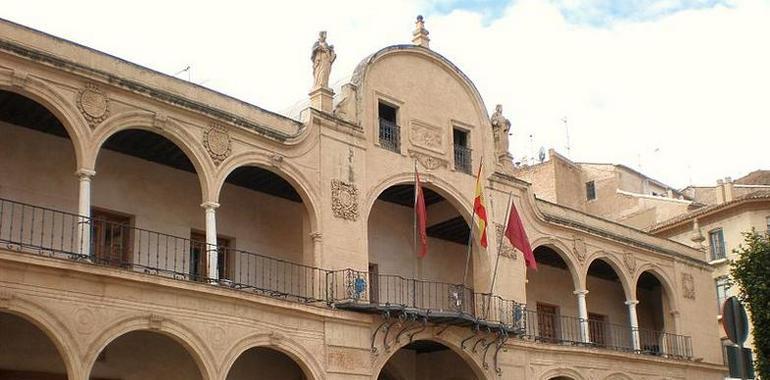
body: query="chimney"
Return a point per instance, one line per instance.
(719, 192)
(728, 191)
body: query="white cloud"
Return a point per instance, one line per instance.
(695, 84)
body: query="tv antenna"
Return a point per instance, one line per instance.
(566, 132)
(187, 70)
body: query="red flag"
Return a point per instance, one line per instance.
(518, 237)
(480, 209)
(421, 216)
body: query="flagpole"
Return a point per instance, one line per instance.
(470, 235)
(499, 248)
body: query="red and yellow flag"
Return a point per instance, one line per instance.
(480, 209)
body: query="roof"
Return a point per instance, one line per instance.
(756, 195)
(757, 177)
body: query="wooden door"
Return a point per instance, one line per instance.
(597, 329)
(374, 283)
(548, 322)
(199, 262)
(110, 238)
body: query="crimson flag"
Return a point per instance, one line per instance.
(518, 237)
(421, 216)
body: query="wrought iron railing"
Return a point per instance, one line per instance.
(390, 136)
(463, 159)
(42, 231)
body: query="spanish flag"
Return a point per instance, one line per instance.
(480, 209)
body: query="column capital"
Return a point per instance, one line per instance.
(580, 292)
(210, 205)
(85, 173)
(316, 236)
(632, 302)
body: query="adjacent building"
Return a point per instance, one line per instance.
(152, 228)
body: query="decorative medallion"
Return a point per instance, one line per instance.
(93, 104)
(428, 162)
(506, 249)
(344, 200)
(85, 321)
(218, 143)
(579, 246)
(688, 286)
(630, 261)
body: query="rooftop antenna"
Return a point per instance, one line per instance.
(531, 146)
(186, 69)
(566, 132)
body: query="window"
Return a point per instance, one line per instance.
(547, 322)
(110, 237)
(198, 261)
(597, 329)
(590, 190)
(717, 244)
(722, 285)
(390, 132)
(462, 151)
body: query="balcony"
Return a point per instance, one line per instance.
(390, 136)
(42, 231)
(462, 159)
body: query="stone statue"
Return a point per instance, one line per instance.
(323, 56)
(501, 127)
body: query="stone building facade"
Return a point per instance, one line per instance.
(152, 228)
(611, 191)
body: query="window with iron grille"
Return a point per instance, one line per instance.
(462, 151)
(722, 285)
(590, 190)
(717, 244)
(390, 132)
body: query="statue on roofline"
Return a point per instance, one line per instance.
(323, 56)
(501, 128)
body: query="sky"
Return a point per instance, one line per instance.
(679, 89)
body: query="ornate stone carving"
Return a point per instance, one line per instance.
(426, 136)
(317, 237)
(217, 337)
(420, 34)
(155, 321)
(579, 245)
(688, 286)
(19, 78)
(160, 120)
(506, 249)
(93, 104)
(85, 321)
(5, 298)
(218, 143)
(276, 160)
(344, 200)
(630, 261)
(427, 161)
(323, 56)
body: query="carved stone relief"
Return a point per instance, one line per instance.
(579, 245)
(93, 104)
(688, 286)
(427, 161)
(426, 136)
(218, 143)
(630, 261)
(506, 249)
(344, 200)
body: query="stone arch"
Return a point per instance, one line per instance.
(562, 372)
(195, 346)
(172, 131)
(444, 188)
(665, 281)
(618, 376)
(53, 328)
(297, 352)
(444, 339)
(285, 170)
(76, 127)
(565, 253)
(616, 266)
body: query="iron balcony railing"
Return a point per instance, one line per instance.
(463, 159)
(42, 231)
(390, 136)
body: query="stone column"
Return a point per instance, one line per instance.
(583, 315)
(84, 210)
(317, 238)
(634, 322)
(212, 253)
